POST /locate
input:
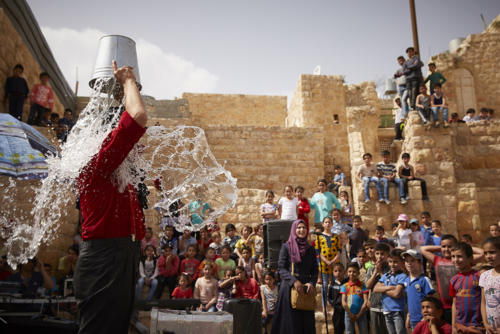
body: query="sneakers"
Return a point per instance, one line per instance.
(403, 200)
(380, 200)
(436, 124)
(387, 202)
(407, 198)
(367, 200)
(446, 124)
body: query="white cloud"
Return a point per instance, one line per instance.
(163, 75)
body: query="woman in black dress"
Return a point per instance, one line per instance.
(297, 250)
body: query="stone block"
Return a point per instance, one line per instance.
(423, 155)
(414, 190)
(468, 207)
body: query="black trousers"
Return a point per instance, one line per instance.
(338, 320)
(399, 132)
(16, 104)
(423, 186)
(104, 284)
(412, 86)
(36, 113)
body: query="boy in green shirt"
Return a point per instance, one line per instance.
(435, 77)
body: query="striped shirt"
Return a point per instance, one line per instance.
(386, 169)
(464, 287)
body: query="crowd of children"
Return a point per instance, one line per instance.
(413, 279)
(413, 95)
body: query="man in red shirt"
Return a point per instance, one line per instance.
(112, 224)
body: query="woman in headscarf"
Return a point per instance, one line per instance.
(297, 250)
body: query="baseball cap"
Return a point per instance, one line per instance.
(413, 253)
(414, 221)
(402, 217)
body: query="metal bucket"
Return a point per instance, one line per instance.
(390, 87)
(455, 44)
(114, 47)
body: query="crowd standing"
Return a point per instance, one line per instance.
(41, 100)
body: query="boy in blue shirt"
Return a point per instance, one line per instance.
(338, 180)
(323, 202)
(417, 287)
(391, 286)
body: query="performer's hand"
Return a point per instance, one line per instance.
(123, 74)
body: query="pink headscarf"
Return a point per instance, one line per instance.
(297, 246)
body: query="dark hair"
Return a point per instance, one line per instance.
(19, 66)
(484, 110)
(344, 192)
(464, 247)
(437, 84)
(338, 264)
(168, 227)
(327, 217)
(54, 114)
(410, 48)
(495, 241)
(185, 276)
(423, 86)
(322, 181)
(269, 273)
(437, 303)
(470, 111)
(383, 247)
(426, 214)
(150, 229)
(226, 247)
(167, 246)
(401, 57)
(289, 186)
(150, 246)
(338, 210)
(437, 222)
(357, 217)
(270, 192)
(75, 248)
(361, 250)
(432, 64)
(353, 265)
(369, 155)
(299, 188)
(240, 268)
(370, 242)
(68, 110)
(195, 247)
(246, 248)
(467, 237)
(379, 228)
(449, 237)
(385, 153)
(230, 227)
(491, 111)
(397, 253)
(337, 167)
(44, 74)
(405, 155)
(454, 115)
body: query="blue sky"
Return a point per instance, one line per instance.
(253, 47)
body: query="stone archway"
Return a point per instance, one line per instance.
(464, 90)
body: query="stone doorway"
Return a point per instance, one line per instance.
(464, 90)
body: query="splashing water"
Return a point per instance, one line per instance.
(180, 157)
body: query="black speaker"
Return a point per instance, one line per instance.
(276, 232)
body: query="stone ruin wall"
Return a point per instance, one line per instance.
(472, 71)
(14, 51)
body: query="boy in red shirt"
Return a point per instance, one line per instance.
(168, 266)
(41, 99)
(190, 265)
(244, 286)
(432, 323)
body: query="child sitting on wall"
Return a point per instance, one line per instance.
(407, 173)
(423, 104)
(367, 173)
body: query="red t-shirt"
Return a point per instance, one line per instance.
(179, 294)
(423, 328)
(249, 290)
(191, 267)
(445, 270)
(106, 212)
(304, 209)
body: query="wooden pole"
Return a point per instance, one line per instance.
(414, 29)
